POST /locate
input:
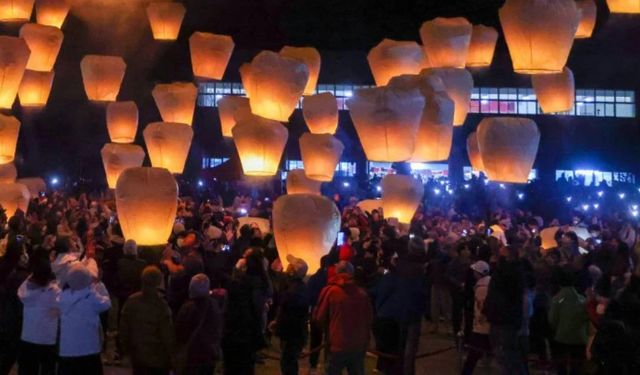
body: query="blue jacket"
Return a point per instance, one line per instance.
(402, 293)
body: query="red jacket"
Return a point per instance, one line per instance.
(347, 310)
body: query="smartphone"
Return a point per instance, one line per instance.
(412, 236)
(464, 233)
(340, 239)
(226, 248)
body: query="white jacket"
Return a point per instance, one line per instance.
(480, 323)
(40, 316)
(80, 330)
(61, 264)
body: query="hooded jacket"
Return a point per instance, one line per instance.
(40, 318)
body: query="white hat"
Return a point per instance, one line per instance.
(299, 265)
(481, 267)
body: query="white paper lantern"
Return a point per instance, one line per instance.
(44, 43)
(311, 58)
(555, 92)
(8, 173)
(369, 205)
(122, 121)
(260, 143)
(231, 109)
(210, 54)
(165, 19)
(624, 6)
(176, 101)
(15, 10)
(35, 185)
(299, 183)
(588, 15)
(102, 76)
(168, 145)
(458, 84)
(117, 157)
(9, 131)
(320, 155)
(446, 41)
(482, 46)
(401, 196)
(474, 153)
(35, 88)
(14, 54)
(14, 196)
(321, 113)
(392, 58)
(52, 12)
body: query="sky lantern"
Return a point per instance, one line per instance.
(35, 88)
(446, 41)
(320, 112)
(165, 19)
(15, 10)
(368, 205)
(168, 144)
(474, 152)
(176, 101)
(147, 201)
(299, 183)
(305, 226)
(35, 185)
(401, 196)
(508, 146)
(458, 84)
(122, 121)
(14, 196)
(387, 120)
(311, 58)
(52, 12)
(539, 33)
(14, 54)
(623, 6)
(102, 76)
(44, 42)
(391, 58)
(274, 84)
(9, 130)
(588, 15)
(555, 92)
(482, 46)
(8, 173)
(231, 108)
(210, 54)
(260, 143)
(116, 157)
(320, 155)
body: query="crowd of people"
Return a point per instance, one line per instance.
(218, 294)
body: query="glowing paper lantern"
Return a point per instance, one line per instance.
(118, 157)
(274, 84)
(369, 205)
(320, 155)
(305, 226)
(15, 10)
(299, 183)
(588, 14)
(35, 185)
(320, 112)
(474, 153)
(44, 43)
(245, 77)
(623, 6)
(165, 19)
(52, 12)
(458, 84)
(446, 41)
(508, 146)
(176, 101)
(482, 46)
(35, 88)
(122, 121)
(231, 109)
(14, 54)
(147, 201)
(8, 173)
(387, 120)
(539, 33)
(548, 237)
(401, 196)
(555, 92)
(168, 144)
(14, 196)
(311, 58)
(210, 54)
(260, 143)
(9, 130)
(102, 76)
(392, 58)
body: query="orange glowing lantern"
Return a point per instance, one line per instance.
(15, 10)
(588, 15)
(165, 19)
(14, 196)
(392, 58)
(122, 121)
(52, 12)
(44, 43)
(231, 109)
(446, 41)
(35, 88)
(320, 112)
(320, 155)
(147, 201)
(14, 54)
(245, 77)
(35, 185)
(117, 157)
(474, 153)
(299, 183)
(310, 235)
(9, 130)
(555, 92)
(168, 144)
(482, 46)
(458, 84)
(260, 143)
(508, 146)
(176, 101)
(8, 173)
(311, 58)
(102, 76)
(401, 196)
(623, 6)
(369, 205)
(539, 33)
(210, 54)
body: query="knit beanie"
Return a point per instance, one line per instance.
(199, 286)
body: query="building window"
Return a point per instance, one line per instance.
(208, 163)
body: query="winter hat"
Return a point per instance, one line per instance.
(481, 267)
(130, 248)
(214, 233)
(299, 265)
(199, 286)
(78, 276)
(151, 277)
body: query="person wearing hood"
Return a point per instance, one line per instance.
(80, 306)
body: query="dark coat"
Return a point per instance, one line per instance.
(402, 293)
(506, 289)
(203, 344)
(293, 314)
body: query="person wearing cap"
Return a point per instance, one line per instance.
(479, 344)
(80, 306)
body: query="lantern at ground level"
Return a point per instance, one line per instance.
(44, 43)
(260, 143)
(508, 146)
(35, 88)
(147, 201)
(555, 92)
(52, 12)
(305, 226)
(168, 144)
(320, 112)
(446, 41)
(274, 84)
(165, 19)
(623, 6)
(15, 10)
(14, 54)
(369, 205)
(482, 46)
(231, 109)
(14, 196)
(210, 54)
(539, 33)
(392, 58)
(35, 185)
(299, 183)
(474, 153)
(9, 130)
(401, 196)
(117, 157)
(311, 58)
(8, 173)
(176, 101)
(458, 84)
(122, 121)
(588, 14)
(386, 120)
(320, 155)
(102, 76)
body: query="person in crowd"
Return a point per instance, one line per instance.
(457, 274)
(315, 284)
(479, 343)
